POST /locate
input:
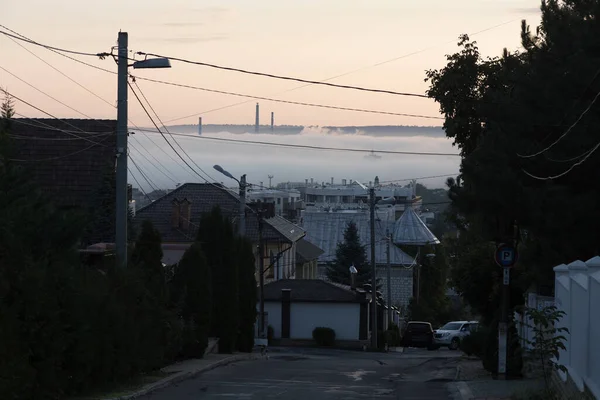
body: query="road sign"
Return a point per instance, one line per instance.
(506, 255)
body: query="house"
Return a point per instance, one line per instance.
(295, 307)
(177, 214)
(71, 160)
(307, 258)
(326, 230)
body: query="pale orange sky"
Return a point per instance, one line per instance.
(308, 39)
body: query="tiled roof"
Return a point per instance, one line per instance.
(306, 251)
(67, 167)
(411, 230)
(311, 290)
(326, 230)
(203, 197)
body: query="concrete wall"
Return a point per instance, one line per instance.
(402, 283)
(343, 318)
(577, 294)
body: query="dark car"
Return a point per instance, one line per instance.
(418, 334)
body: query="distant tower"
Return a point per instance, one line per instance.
(272, 121)
(200, 126)
(270, 177)
(376, 181)
(256, 124)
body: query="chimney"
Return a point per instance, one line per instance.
(199, 125)
(256, 123)
(306, 182)
(272, 121)
(332, 180)
(344, 182)
(312, 181)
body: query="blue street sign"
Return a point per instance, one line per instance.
(506, 255)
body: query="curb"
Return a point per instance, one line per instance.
(464, 391)
(184, 375)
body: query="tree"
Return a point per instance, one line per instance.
(504, 115)
(247, 294)
(217, 239)
(192, 296)
(147, 256)
(350, 252)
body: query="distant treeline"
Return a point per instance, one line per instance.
(383, 130)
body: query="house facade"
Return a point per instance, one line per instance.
(296, 306)
(177, 215)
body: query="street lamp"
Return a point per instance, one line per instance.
(121, 212)
(242, 184)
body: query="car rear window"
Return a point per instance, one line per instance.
(419, 327)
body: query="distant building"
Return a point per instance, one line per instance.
(287, 202)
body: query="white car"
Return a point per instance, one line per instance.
(452, 333)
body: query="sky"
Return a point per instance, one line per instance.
(305, 38)
(382, 44)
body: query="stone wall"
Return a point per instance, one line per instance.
(402, 283)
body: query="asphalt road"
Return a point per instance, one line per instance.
(297, 374)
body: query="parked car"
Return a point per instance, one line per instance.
(418, 334)
(452, 333)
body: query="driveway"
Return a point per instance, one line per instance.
(315, 374)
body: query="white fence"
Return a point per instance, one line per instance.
(577, 293)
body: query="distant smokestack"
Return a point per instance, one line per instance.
(200, 126)
(332, 180)
(306, 181)
(312, 181)
(344, 182)
(272, 121)
(256, 124)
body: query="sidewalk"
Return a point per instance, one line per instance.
(477, 384)
(170, 375)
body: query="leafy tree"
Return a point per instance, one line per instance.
(504, 114)
(147, 256)
(350, 252)
(217, 239)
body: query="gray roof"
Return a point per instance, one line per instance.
(312, 290)
(288, 229)
(306, 251)
(203, 197)
(326, 230)
(411, 230)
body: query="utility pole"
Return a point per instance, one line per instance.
(389, 277)
(261, 274)
(242, 224)
(373, 273)
(121, 206)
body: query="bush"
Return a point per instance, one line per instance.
(324, 336)
(474, 344)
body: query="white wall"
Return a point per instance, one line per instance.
(577, 293)
(343, 318)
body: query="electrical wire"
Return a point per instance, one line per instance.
(288, 78)
(47, 113)
(566, 132)
(139, 186)
(151, 163)
(79, 53)
(282, 101)
(167, 130)
(40, 124)
(547, 178)
(164, 171)
(146, 178)
(308, 147)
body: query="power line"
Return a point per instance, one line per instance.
(162, 134)
(79, 53)
(566, 132)
(44, 93)
(167, 130)
(151, 163)
(548, 178)
(308, 147)
(47, 113)
(139, 186)
(288, 78)
(282, 101)
(146, 178)
(41, 124)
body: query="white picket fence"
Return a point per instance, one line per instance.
(577, 293)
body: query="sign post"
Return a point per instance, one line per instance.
(506, 256)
